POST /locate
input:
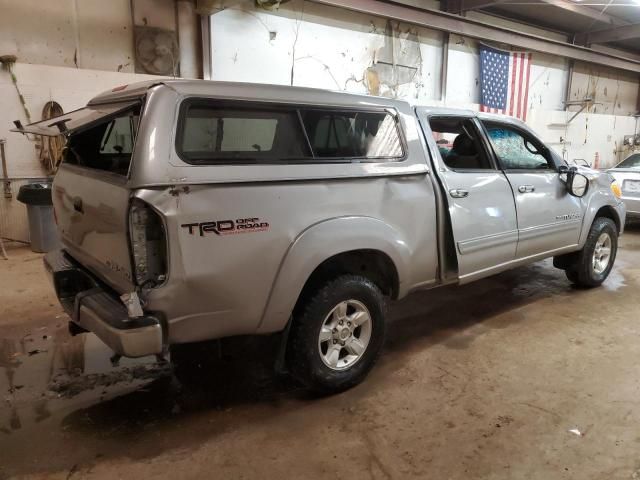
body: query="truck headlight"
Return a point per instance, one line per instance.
(615, 189)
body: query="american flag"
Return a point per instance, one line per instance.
(504, 81)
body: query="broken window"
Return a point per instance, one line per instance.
(516, 151)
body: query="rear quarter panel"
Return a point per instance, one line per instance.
(222, 284)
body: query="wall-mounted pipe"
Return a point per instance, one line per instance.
(188, 39)
(6, 182)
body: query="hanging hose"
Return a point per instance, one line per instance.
(51, 147)
(7, 62)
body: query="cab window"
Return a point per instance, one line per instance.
(459, 143)
(516, 150)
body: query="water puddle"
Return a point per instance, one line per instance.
(616, 280)
(44, 371)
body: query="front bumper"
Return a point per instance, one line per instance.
(632, 205)
(92, 307)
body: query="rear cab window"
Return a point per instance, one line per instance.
(214, 132)
(105, 145)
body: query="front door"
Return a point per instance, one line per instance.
(481, 206)
(549, 218)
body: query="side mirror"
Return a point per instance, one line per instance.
(563, 172)
(577, 184)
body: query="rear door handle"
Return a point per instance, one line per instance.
(77, 205)
(458, 193)
(526, 188)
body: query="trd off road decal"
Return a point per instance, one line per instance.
(227, 227)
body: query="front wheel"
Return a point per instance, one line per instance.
(595, 261)
(338, 334)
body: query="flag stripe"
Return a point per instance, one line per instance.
(526, 89)
(513, 83)
(520, 75)
(516, 87)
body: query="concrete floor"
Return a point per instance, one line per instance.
(516, 376)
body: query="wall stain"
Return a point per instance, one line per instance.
(397, 62)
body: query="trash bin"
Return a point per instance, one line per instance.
(42, 226)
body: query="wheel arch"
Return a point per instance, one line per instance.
(608, 212)
(599, 207)
(355, 245)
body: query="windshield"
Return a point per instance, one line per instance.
(632, 162)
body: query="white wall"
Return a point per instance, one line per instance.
(307, 44)
(615, 92)
(72, 88)
(71, 33)
(336, 49)
(68, 51)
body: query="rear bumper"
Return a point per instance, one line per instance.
(94, 308)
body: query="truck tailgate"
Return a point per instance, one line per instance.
(91, 210)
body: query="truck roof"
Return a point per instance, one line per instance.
(242, 90)
(264, 91)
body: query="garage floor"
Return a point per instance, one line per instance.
(517, 376)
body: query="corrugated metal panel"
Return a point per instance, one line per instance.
(13, 214)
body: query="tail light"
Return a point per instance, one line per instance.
(148, 244)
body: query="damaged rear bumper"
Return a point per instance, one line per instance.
(92, 307)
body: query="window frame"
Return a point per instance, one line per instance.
(133, 130)
(546, 154)
(296, 109)
(488, 152)
(141, 104)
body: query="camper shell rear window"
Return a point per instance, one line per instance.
(105, 145)
(219, 132)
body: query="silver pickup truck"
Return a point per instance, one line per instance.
(193, 210)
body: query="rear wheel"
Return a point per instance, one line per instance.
(595, 261)
(338, 334)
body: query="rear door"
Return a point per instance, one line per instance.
(549, 218)
(480, 200)
(90, 194)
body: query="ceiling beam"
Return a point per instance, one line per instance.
(586, 12)
(447, 22)
(616, 34)
(460, 6)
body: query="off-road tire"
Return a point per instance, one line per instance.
(303, 351)
(582, 272)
